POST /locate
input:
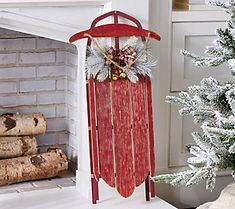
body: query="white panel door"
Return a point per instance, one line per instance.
(193, 37)
(181, 128)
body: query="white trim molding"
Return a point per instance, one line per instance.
(43, 3)
(35, 26)
(52, 19)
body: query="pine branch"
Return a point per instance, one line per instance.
(189, 177)
(174, 178)
(224, 46)
(131, 75)
(232, 149)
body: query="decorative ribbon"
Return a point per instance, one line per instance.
(112, 61)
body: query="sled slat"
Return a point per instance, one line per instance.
(140, 137)
(93, 134)
(150, 125)
(103, 105)
(122, 137)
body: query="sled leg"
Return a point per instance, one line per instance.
(153, 194)
(147, 189)
(94, 190)
(97, 190)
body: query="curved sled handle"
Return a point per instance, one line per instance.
(114, 30)
(116, 14)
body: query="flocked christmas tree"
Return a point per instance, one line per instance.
(212, 104)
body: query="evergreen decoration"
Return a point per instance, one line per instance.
(212, 104)
(131, 60)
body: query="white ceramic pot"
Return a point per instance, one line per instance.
(226, 199)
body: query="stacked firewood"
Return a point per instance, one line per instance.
(19, 158)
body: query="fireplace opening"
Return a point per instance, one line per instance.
(40, 75)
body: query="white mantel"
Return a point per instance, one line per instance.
(59, 19)
(52, 19)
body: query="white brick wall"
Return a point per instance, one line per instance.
(38, 85)
(48, 110)
(8, 87)
(73, 86)
(8, 59)
(61, 111)
(16, 73)
(53, 138)
(39, 75)
(61, 84)
(71, 72)
(60, 57)
(12, 34)
(17, 44)
(57, 124)
(71, 100)
(17, 100)
(44, 43)
(51, 98)
(36, 57)
(51, 71)
(71, 59)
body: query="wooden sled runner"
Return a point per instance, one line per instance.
(120, 119)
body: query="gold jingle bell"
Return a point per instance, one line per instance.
(114, 77)
(122, 75)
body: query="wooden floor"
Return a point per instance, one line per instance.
(69, 198)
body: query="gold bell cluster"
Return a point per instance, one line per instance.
(118, 74)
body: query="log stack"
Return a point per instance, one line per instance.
(19, 157)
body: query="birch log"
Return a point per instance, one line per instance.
(22, 124)
(41, 166)
(17, 146)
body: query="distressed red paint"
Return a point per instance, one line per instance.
(139, 131)
(122, 137)
(114, 30)
(150, 125)
(104, 118)
(93, 133)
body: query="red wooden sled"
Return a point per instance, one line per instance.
(120, 120)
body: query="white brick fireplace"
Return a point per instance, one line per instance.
(40, 71)
(39, 75)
